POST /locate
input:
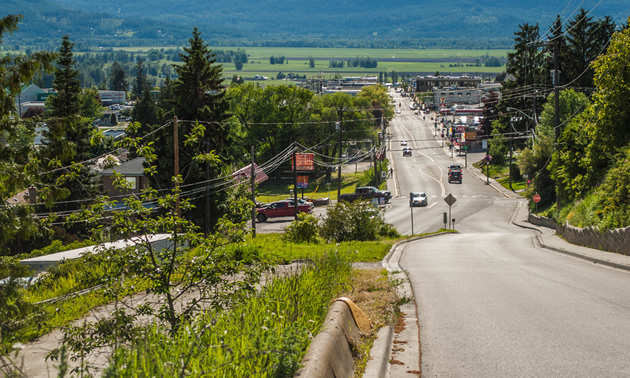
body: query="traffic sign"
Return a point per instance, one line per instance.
(537, 198)
(450, 200)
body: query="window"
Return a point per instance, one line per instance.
(132, 182)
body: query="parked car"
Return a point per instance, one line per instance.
(406, 151)
(367, 193)
(281, 209)
(301, 201)
(418, 199)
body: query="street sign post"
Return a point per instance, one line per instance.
(450, 200)
(537, 199)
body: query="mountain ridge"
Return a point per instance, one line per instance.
(131, 21)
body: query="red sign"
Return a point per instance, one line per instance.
(460, 129)
(304, 162)
(536, 198)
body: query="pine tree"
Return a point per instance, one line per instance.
(17, 168)
(117, 78)
(66, 83)
(586, 40)
(197, 96)
(141, 79)
(67, 143)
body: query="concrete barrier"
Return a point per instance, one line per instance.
(331, 352)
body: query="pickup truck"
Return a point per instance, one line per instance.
(367, 193)
(281, 209)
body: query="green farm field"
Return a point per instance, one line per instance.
(402, 61)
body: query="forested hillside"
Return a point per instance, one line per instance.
(365, 23)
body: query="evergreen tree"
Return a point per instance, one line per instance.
(586, 40)
(67, 143)
(118, 78)
(145, 112)
(17, 168)
(141, 79)
(198, 101)
(165, 101)
(66, 84)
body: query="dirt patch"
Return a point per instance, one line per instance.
(372, 292)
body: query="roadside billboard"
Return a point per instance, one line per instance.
(303, 162)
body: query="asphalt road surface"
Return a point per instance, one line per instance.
(489, 303)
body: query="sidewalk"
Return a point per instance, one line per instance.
(396, 352)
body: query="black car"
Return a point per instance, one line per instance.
(455, 177)
(406, 151)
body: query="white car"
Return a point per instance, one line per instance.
(418, 199)
(403, 142)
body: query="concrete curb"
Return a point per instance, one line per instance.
(378, 365)
(381, 353)
(330, 353)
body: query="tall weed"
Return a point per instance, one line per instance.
(265, 336)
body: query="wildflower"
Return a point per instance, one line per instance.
(19, 346)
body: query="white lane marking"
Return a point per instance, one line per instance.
(439, 181)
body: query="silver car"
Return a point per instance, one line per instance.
(418, 199)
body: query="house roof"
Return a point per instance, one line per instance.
(132, 167)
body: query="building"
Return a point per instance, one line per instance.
(112, 97)
(428, 83)
(31, 96)
(133, 173)
(447, 97)
(42, 263)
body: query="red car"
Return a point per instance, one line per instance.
(281, 209)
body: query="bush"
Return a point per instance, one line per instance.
(304, 230)
(357, 221)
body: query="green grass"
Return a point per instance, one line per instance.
(517, 184)
(276, 190)
(273, 248)
(265, 336)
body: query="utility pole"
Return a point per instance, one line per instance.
(556, 91)
(176, 153)
(253, 183)
(376, 178)
(340, 124)
(295, 196)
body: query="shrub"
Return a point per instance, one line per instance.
(304, 230)
(359, 221)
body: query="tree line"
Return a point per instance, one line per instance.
(577, 159)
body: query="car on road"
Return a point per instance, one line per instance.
(406, 151)
(454, 167)
(281, 209)
(398, 111)
(418, 199)
(455, 176)
(403, 142)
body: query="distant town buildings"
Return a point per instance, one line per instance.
(32, 96)
(455, 90)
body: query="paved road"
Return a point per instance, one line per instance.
(489, 302)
